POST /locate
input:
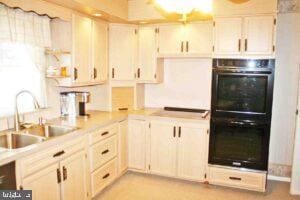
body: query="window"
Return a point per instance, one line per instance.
(23, 38)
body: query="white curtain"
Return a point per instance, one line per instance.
(23, 38)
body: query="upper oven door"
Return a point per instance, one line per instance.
(242, 93)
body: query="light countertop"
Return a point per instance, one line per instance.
(96, 120)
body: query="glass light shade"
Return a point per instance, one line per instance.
(185, 6)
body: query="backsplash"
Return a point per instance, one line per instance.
(287, 6)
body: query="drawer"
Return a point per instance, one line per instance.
(50, 155)
(104, 176)
(103, 133)
(239, 179)
(102, 152)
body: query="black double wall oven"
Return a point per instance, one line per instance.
(241, 111)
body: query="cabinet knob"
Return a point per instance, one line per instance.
(139, 73)
(246, 44)
(179, 131)
(75, 74)
(187, 46)
(58, 174)
(113, 73)
(65, 173)
(239, 45)
(174, 131)
(95, 73)
(182, 46)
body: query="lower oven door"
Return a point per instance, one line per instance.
(243, 144)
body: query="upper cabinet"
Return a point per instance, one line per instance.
(122, 51)
(88, 47)
(149, 68)
(190, 40)
(244, 36)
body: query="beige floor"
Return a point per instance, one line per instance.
(134, 186)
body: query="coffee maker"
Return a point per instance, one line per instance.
(74, 103)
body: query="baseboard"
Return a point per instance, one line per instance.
(279, 178)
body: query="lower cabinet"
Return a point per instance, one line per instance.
(57, 173)
(123, 147)
(179, 150)
(137, 145)
(44, 184)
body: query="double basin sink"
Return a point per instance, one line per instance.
(33, 135)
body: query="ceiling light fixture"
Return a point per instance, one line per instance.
(97, 14)
(185, 7)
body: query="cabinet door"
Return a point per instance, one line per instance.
(228, 36)
(100, 51)
(199, 38)
(259, 35)
(147, 54)
(123, 146)
(82, 29)
(192, 152)
(44, 184)
(74, 177)
(122, 51)
(137, 145)
(171, 39)
(163, 147)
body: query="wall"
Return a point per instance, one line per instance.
(187, 83)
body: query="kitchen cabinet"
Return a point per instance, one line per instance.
(191, 40)
(259, 35)
(137, 145)
(149, 68)
(44, 184)
(228, 35)
(100, 51)
(74, 177)
(179, 149)
(88, 63)
(123, 43)
(56, 173)
(123, 146)
(163, 149)
(82, 29)
(244, 37)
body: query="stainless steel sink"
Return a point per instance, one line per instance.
(49, 131)
(17, 141)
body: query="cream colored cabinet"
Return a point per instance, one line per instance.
(192, 151)
(170, 39)
(259, 35)
(228, 36)
(244, 36)
(74, 177)
(137, 145)
(123, 43)
(149, 68)
(100, 51)
(56, 173)
(88, 38)
(179, 149)
(44, 184)
(81, 51)
(123, 146)
(199, 38)
(163, 149)
(191, 40)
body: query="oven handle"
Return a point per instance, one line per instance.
(239, 123)
(242, 72)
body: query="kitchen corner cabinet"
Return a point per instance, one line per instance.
(123, 44)
(137, 145)
(179, 150)
(245, 36)
(191, 40)
(149, 68)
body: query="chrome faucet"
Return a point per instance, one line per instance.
(17, 114)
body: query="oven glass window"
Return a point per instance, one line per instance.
(238, 143)
(242, 93)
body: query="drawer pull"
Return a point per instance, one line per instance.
(106, 176)
(104, 133)
(122, 109)
(58, 154)
(235, 178)
(105, 152)
(65, 173)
